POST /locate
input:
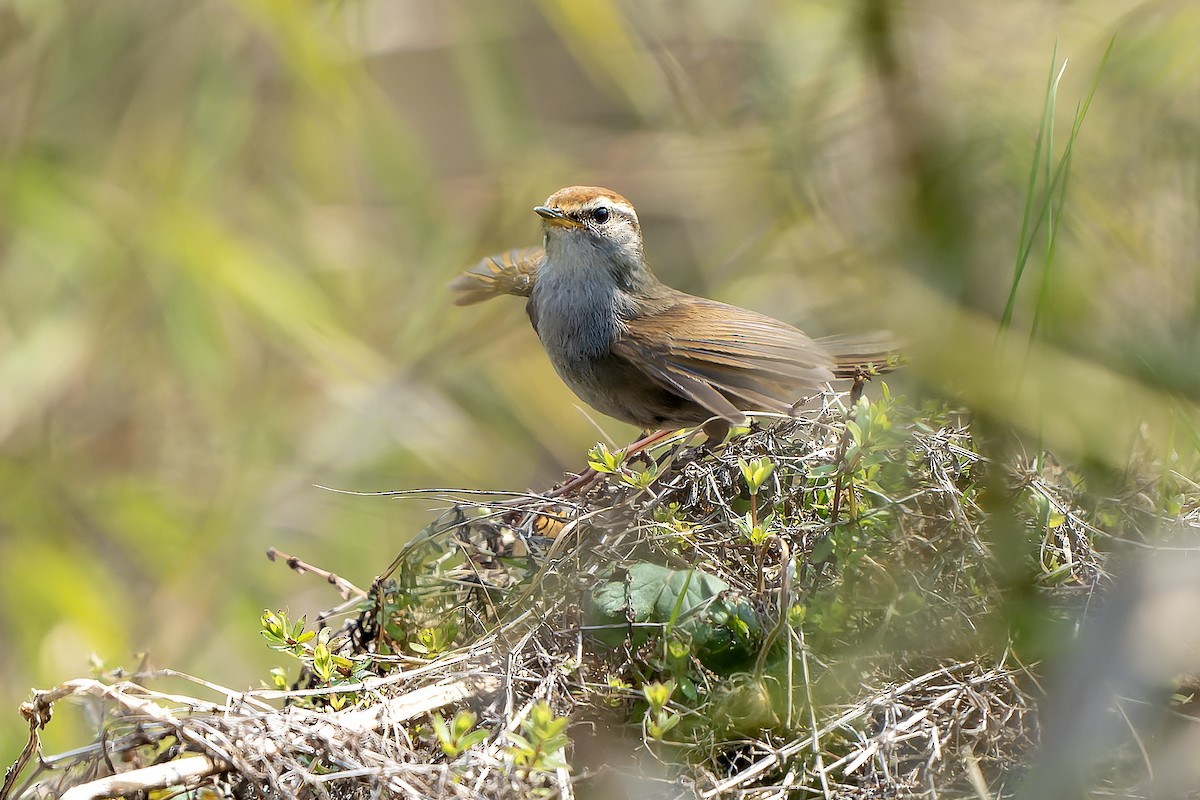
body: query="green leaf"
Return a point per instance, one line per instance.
(441, 729)
(695, 603)
(604, 461)
(755, 472)
(463, 722)
(521, 742)
(658, 694)
(471, 739)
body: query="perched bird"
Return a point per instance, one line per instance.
(634, 348)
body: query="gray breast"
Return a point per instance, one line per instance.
(576, 320)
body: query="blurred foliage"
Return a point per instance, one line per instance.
(226, 228)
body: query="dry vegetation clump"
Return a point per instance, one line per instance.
(842, 605)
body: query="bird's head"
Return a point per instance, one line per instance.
(588, 224)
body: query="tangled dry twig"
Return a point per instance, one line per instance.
(832, 661)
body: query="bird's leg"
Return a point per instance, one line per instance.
(861, 377)
(649, 438)
(860, 381)
(586, 479)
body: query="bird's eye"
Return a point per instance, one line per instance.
(601, 214)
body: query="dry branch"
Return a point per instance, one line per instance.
(906, 721)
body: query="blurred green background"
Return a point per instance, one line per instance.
(226, 229)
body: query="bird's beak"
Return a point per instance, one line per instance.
(555, 217)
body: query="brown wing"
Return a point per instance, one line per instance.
(725, 358)
(511, 272)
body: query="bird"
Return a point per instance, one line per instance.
(642, 352)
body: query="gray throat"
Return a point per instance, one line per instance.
(577, 307)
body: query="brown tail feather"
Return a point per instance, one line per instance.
(862, 356)
(511, 272)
